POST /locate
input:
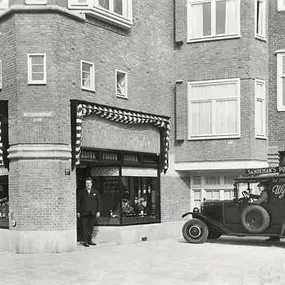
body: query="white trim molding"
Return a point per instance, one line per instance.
(219, 165)
(39, 151)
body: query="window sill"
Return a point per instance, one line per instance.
(122, 97)
(213, 38)
(105, 16)
(88, 89)
(261, 38)
(37, 83)
(214, 137)
(259, 137)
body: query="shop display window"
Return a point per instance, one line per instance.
(127, 198)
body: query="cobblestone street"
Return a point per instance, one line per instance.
(168, 262)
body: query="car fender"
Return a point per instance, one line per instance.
(209, 221)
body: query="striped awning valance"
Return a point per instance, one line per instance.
(121, 116)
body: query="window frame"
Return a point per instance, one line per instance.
(236, 98)
(280, 5)
(93, 9)
(4, 6)
(30, 80)
(263, 99)
(35, 2)
(264, 17)
(279, 83)
(92, 76)
(213, 36)
(125, 96)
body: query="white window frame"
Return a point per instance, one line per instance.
(281, 5)
(213, 36)
(262, 35)
(35, 2)
(30, 80)
(1, 75)
(262, 99)
(92, 76)
(236, 97)
(4, 6)
(123, 95)
(92, 7)
(280, 76)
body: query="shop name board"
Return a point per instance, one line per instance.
(265, 170)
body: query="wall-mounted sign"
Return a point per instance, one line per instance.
(259, 171)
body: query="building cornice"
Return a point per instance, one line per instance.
(39, 151)
(42, 9)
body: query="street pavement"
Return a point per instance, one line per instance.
(227, 260)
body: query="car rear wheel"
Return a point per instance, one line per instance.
(255, 219)
(195, 231)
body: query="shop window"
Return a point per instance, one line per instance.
(4, 4)
(36, 69)
(281, 81)
(197, 198)
(121, 84)
(129, 198)
(228, 194)
(197, 181)
(212, 180)
(212, 194)
(87, 76)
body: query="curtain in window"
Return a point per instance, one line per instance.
(201, 118)
(232, 20)
(226, 116)
(196, 21)
(260, 109)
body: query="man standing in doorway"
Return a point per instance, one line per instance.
(88, 210)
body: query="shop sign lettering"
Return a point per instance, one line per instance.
(259, 171)
(279, 187)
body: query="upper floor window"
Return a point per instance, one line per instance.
(87, 76)
(281, 81)
(37, 68)
(260, 16)
(114, 11)
(4, 4)
(121, 84)
(212, 19)
(260, 108)
(214, 109)
(281, 5)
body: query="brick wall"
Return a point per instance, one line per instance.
(245, 58)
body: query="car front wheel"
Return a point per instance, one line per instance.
(195, 231)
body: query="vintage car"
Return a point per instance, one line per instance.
(240, 216)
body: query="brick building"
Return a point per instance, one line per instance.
(90, 88)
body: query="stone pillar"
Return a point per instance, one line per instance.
(42, 196)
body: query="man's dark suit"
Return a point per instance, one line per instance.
(88, 205)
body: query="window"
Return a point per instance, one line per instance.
(36, 69)
(212, 194)
(1, 74)
(210, 19)
(4, 5)
(228, 194)
(87, 76)
(197, 198)
(214, 109)
(197, 181)
(121, 84)
(281, 5)
(260, 16)
(115, 11)
(35, 2)
(281, 81)
(260, 108)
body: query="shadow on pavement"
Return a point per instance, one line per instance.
(250, 241)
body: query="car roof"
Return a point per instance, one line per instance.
(255, 179)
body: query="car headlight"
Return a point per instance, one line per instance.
(196, 210)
